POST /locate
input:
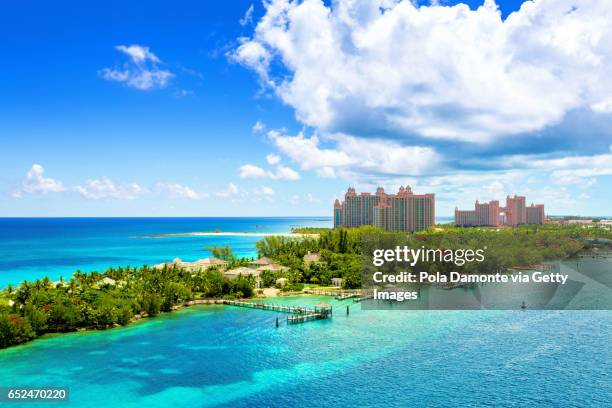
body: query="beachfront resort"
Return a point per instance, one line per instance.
(254, 268)
(407, 211)
(404, 211)
(490, 214)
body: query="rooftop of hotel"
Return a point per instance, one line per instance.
(380, 192)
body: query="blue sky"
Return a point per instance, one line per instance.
(207, 108)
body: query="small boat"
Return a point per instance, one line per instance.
(524, 305)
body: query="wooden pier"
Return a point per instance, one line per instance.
(303, 318)
(331, 292)
(344, 296)
(322, 311)
(298, 314)
(270, 306)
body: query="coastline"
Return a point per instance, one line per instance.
(144, 317)
(229, 234)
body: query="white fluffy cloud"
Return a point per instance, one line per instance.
(104, 188)
(284, 173)
(138, 53)
(434, 72)
(581, 170)
(281, 172)
(175, 190)
(36, 183)
(251, 171)
(350, 155)
(142, 72)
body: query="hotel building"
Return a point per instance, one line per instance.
(535, 214)
(491, 214)
(482, 214)
(404, 211)
(515, 210)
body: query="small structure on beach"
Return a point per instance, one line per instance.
(244, 271)
(312, 258)
(263, 261)
(199, 265)
(281, 282)
(208, 263)
(107, 281)
(273, 268)
(337, 282)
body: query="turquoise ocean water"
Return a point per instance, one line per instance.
(233, 357)
(31, 248)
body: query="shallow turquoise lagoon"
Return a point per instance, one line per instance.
(235, 357)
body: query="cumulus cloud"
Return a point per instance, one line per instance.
(351, 155)
(379, 66)
(284, 173)
(175, 190)
(575, 169)
(581, 170)
(281, 172)
(142, 72)
(138, 53)
(253, 55)
(251, 171)
(104, 188)
(35, 182)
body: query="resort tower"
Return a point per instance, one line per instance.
(404, 211)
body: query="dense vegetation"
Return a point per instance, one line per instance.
(114, 297)
(341, 249)
(99, 300)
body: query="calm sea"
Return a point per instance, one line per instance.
(233, 357)
(31, 248)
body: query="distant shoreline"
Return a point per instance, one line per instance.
(228, 234)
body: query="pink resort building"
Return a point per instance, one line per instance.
(404, 211)
(482, 214)
(491, 214)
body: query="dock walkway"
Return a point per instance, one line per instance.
(270, 306)
(331, 292)
(344, 296)
(298, 314)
